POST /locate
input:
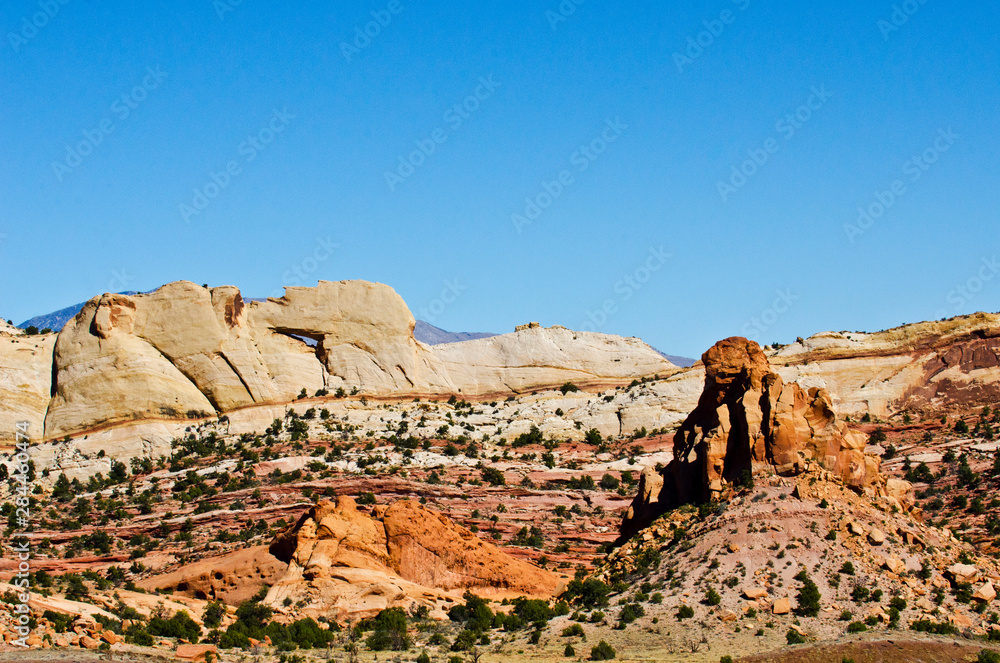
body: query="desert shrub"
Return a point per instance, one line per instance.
(712, 597)
(856, 627)
(589, 593)
(390, 631)
(808, 597)
(988, 656)
(569, 651)
(630, 613)
(685, 612)
(137, 635)
(793, 637)
(475, 613)
(609, 482)
(493, 476)
(572, 631)
(180, 625)
(532, 610)
(939, 628)
(212, 617)
(602, 652)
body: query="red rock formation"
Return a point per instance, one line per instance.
(232, 578)
(747, 418)
(345, 564)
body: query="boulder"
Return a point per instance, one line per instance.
(964, 574)
(196, 652)
(781, 606)
(895, 565)
(88, 642)
(985, 592)
(876, 537)
(754, 593)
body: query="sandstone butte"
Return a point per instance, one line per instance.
(346, 564)
(188, 351)
(748, 419)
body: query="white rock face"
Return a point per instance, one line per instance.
(25, 382)
(189, 351)
(533, 356)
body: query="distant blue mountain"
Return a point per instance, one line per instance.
(427, 333)
(58, 319)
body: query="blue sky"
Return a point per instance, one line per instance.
(261, 145)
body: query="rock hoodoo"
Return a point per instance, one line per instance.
(347, 564)
(748, 418)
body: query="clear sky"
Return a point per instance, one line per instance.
(512, 162)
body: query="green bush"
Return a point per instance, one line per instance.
(602, 652)
(493, 476)
(856, 627)
(423, 658)
(212, 617)
(808, 597)
(589, 593)
(939, 628)
(532, 610)
(630, 613)
(390, 631)
(685, 612)
(988, 656)
(179, 626)
(793, 637)
(569, 651)
(475, 613)
(464, 641)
